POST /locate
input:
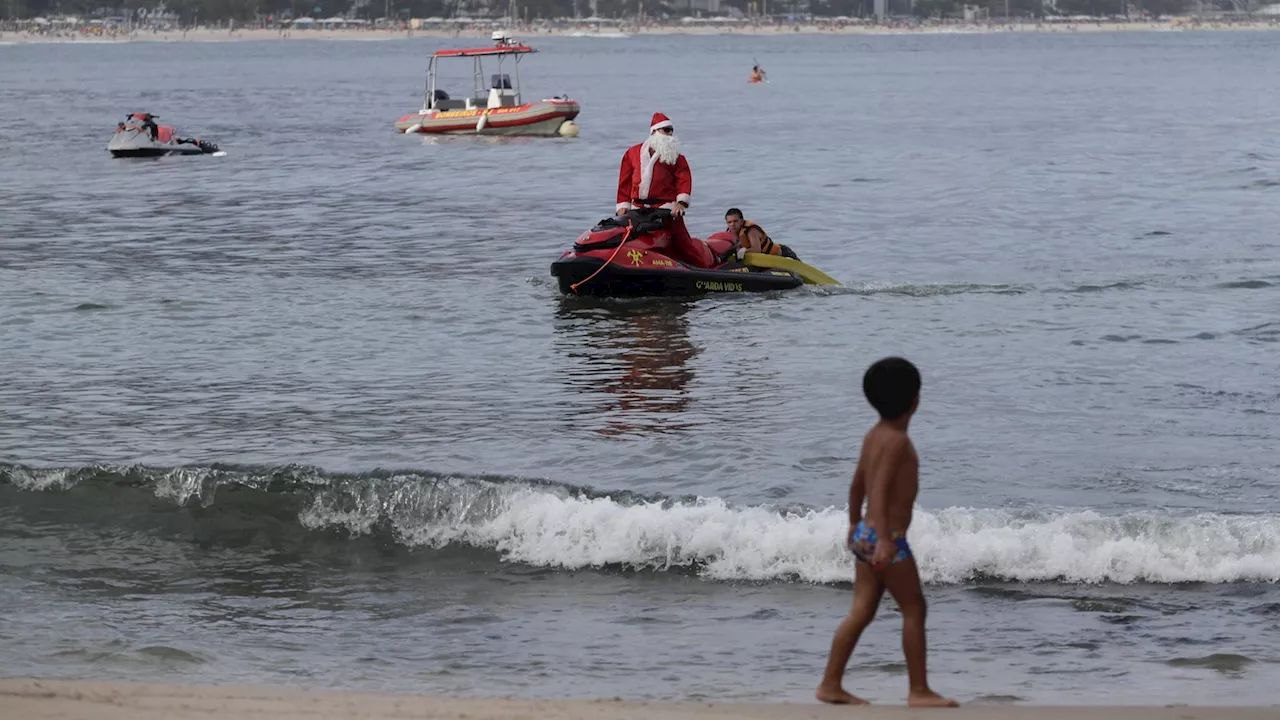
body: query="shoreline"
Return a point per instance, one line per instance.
(533, 34)
(32, 699)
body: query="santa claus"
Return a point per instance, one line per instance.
(655, 174)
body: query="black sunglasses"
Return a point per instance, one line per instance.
(666, 130)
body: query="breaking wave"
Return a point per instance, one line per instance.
(565, 527)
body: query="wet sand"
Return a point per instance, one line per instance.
(79, 700)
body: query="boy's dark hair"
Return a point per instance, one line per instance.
(890, 385)
(734, 211)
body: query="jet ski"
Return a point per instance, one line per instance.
(140, 136)
(629, 255)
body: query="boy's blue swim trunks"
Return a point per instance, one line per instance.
(863, 543)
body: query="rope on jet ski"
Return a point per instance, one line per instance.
(625, 236)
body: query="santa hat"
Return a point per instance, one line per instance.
(659, 121)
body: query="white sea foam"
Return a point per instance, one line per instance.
(40, 480)
(552, 526)
(545, 527)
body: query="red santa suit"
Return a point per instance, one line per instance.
(644, 181)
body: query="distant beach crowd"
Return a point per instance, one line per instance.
(66, 30)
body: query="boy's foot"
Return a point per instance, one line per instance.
(929, 698)
(838, 696)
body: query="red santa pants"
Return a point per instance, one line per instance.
(690, 250)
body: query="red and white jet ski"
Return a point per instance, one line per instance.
(140, 136)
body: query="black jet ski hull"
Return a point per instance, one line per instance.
(620, 281)
(146, 152)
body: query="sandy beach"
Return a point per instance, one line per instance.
(76, 700)
(240, 34)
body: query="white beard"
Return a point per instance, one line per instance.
(665, 147)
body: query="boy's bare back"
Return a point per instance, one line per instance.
(889, 462)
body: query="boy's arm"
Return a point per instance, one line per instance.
(857, 494)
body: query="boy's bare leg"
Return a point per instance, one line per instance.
(902, 579)
(867, 591)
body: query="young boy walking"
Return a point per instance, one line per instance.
(887, 477)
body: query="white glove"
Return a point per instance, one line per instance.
(742, 252)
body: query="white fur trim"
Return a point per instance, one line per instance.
(659, 126)
(683, 197)
(647, 161)
(624, 206)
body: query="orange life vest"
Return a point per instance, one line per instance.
(767, 245)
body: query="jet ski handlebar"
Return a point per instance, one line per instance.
(648, 214)
(640, 220)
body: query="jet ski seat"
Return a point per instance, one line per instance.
(722, 245)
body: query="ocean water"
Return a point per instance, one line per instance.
(315, 413)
